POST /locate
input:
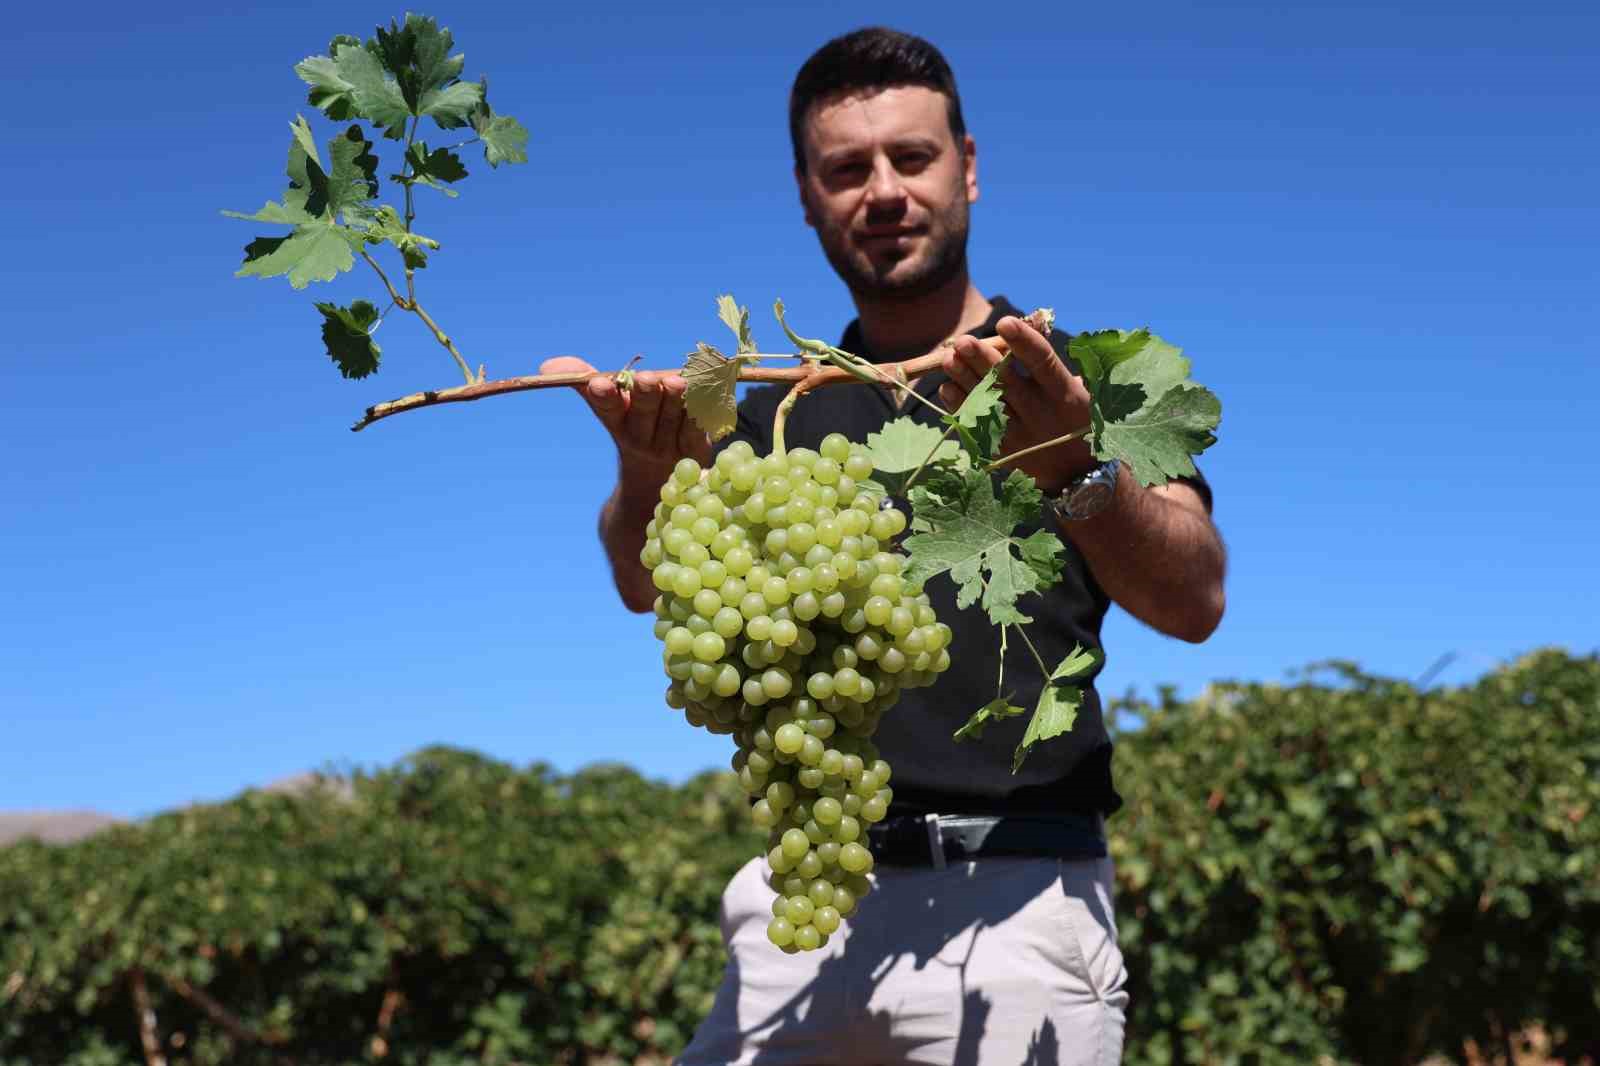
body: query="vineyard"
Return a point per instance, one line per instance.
(1342, 870)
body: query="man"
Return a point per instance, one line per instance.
(989, 937)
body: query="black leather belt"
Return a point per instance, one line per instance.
(936, 840)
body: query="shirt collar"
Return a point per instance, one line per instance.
(999, 307)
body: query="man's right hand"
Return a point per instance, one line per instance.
(652, 431)
(648, 422)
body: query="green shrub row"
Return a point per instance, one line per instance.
(1343, 870)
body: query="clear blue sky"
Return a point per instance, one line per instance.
(1372, 226)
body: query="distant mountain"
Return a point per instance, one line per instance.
(52, 827)
(64, 827)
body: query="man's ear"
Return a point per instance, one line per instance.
(805, 206)
(969, 167)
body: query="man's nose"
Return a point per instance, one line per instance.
(884, 187)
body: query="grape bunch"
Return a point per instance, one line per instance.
(788, 625)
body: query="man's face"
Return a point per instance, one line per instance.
(887, 187)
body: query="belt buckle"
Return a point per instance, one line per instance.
(935, 841)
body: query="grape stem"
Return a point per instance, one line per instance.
(812, 376)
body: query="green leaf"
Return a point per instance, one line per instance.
(980, 421)
(352, 83)
(418, 55)
(1158, 441)
(900, 447)
(318, 251)
(711, 377)
(993, 711)
(319, 248)
(1144, 410)
(432, 168)
(452, 106)
(1058, 704)
(346, 332)
(386, 225)
(965, 530)
(1054, 714)
(354, 179)
(273, 211)
(737, 319)
(504, 139)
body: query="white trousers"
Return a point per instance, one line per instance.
(997, 962)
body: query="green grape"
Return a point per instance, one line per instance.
(679, 641)
(759, 627)
(777, 685)
(706, 603)
(827, 811)
(694, 554)
(708, 647)
(739, 561)
(806, 606)
(796, 846)
(781, 932)
(849, 827)
(800, 909)
(854, 858)
(785, 632)
(844, 900)
(727, 624)
(789, 738)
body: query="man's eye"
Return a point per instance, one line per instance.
(912, 162)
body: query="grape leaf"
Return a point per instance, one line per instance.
(504, 139)
(962, 528)
(386, 225)
(902, 445)
(319, 248)
(432, 169)
(900, 448)
(318, 251)
(453, 105)
(354, 179)
(993, 711)
(1057, 709)
(737, 319)
(980, 421)
(351, 82)
(711, 377)
(345, 330)
(1144, 409)
(418, 54)
(1158, 441)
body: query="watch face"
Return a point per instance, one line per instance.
(1090, 498)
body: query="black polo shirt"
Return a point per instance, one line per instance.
(932, 772)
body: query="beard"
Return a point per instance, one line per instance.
(941, 257)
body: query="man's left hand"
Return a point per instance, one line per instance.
(1044, 398)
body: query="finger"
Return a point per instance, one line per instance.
(565, 364)
(609, 404)
(962, 364)
(693, 442)
(669, 422)
(1030, 348)
(644, 409)
(952, 395)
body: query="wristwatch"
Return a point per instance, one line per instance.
(1086, 495)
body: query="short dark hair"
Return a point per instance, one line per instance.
(866, 59)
